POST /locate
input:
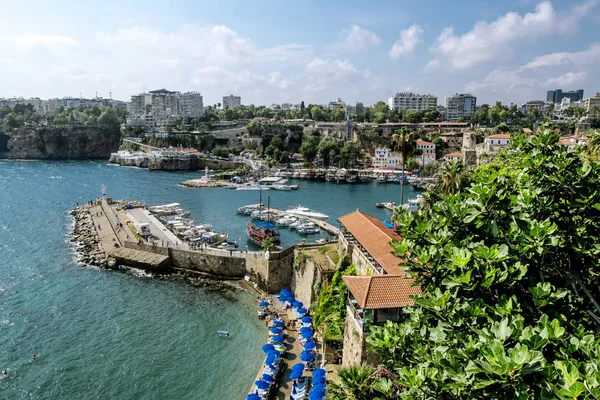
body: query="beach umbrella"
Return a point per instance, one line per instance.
(253, 396)
(268, 378)
(270, 366)
(319, 388)
(267, 348)
(307, 356)
(302, 311)
(306, 319)
(286, 292)
(297, 304)
(277, 339)
(299, 366)
(262, 385)
(305, 329)
(310, 345)
(271, 358)
(263, 303)
(307, 335)
(319, 372)
(276, 331)
(278, 323)
(318, 380)
(315, 396)
(295, 374)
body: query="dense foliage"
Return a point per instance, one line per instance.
(330, 312)
(509, 268)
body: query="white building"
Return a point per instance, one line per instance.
(496, 142)
(385, 158)
(334, 105)
(533, 105)
(161, 107)
(426, 147)
(231, 101)
(460, 105)
(38, 104)
(412, 101)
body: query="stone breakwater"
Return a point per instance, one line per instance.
(199, 183)
(87, 241)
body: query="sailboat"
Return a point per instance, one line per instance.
(258, 231)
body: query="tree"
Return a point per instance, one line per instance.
(327, 150)
(267, 244)
(412, 163)
(405, 142)
(452, 176)
(349, 153)
(430, 169)
(316, 113)
(431, 115)
(108, 117)
(275, 144)
(309, 148)
(412, 116)
(508, 270)
(356, 383)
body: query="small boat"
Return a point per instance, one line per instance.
(249, 209)
(382, 179)
(390, 205)
(330, 175)
(286, 220)
(412, 204)
(308, 228)
(224, 333)
(340, 175)
(260, 230)
(282, 187)
(252, 187)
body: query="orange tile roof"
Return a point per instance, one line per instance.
(375, 237)
(527, 130)
(454, 154)
(499, 136)
(382, 291)
(424, 142)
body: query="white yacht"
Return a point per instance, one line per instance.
(306, 212)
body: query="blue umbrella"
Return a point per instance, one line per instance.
(267, 348)
(297, 304)
(288, 299)
(302, 311)
(315, 396)
(307, 357)
(277, 353)
(276, 331)
(278, 323)
(263, 303)
(271, 358)
(319, 372)
(318, 380)
(253, 396)
(309, 345)
(306, 319)
(299, 366)
(262, 384)
(305, 329)
(277, 339)
(319, 388)
(286, 292)
(270, 366)
(307, 335)
(295, 374)
(268, 378)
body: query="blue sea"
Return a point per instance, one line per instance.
(103, 334)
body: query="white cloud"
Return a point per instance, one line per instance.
(321, 72)
(355, 39)
(432, 65)
(499, 80)
(29, 41)
(406, 44)
(491, 40)
(585, 57)
(567, 79)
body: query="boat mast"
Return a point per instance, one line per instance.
(268, 205)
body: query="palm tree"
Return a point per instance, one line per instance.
(452, 176)
(355, 383)
(405, 142)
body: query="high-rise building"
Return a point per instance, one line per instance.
(557, 95)
(412, 101)
(161, 107)
(358, 109)
(592, 105)
(231, 101)
(460, 105)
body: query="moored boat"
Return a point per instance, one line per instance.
(306, 212)
(260, 230)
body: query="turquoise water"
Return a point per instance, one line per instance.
(127, 335)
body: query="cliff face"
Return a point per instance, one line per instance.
(77, 141)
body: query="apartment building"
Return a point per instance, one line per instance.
(592, 105)
(460, 105)
(412, 101)
(161, 107)
(231, 101)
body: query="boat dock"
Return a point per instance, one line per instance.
(326, 226)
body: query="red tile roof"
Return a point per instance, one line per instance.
(375, 237)
(499, 136)
(382, 291)
(424, 143)
(527, 130)
(454, 154)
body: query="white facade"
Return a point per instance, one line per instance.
(496, 142)
(385, 158)
(231, 101)
(533, 105)
(425, 158)
(161, 107)
(51, 106)
(426, 147)
(460, 105)
(412, 101)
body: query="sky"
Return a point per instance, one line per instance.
(282, 51)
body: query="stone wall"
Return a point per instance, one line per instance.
(303, 279)
(222, 266)
(353, 341)
(146, 247)
(280, 272)
(258, 269)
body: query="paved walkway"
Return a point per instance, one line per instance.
(294, 348)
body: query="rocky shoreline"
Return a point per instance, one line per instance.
(199, 183)
(87, 242)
